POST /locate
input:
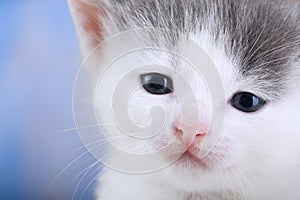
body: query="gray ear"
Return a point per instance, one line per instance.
(86, 15)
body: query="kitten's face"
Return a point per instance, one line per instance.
(253, 138)
(257, 59)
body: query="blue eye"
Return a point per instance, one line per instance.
(157, 84)
(247, 102)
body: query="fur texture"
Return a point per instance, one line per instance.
(255, 46)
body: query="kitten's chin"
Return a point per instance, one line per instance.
(191, 174)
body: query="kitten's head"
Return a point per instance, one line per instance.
(255, 48)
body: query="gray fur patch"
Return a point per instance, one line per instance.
(262, 37)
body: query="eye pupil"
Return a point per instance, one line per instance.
(157, 84)
(247, 102)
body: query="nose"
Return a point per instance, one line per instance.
(191, 129)
(189, 139)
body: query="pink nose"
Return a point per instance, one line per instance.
(189, 139)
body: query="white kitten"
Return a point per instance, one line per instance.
(254, 47)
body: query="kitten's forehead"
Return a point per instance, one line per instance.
(261, 38)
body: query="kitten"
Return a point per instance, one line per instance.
(255, 48)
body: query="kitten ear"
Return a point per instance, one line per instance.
(86, 15)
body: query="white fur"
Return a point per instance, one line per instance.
(262, 159)
(264, 155)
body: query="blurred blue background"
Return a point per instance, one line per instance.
(41, 156)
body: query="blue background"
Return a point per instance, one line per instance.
(39, 58)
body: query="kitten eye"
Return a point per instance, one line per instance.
(157, 84)
(247, 102)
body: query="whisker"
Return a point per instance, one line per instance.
(75, 128)
(223, 184)
(69, 165)
(96, 141)
(231, 184)
(84, 170)
(91, 181)
(249, 183)
(239, 183)
(81, 179)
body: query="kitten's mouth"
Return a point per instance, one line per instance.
(191, 158)
(188, 160)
